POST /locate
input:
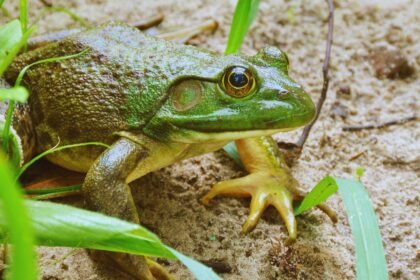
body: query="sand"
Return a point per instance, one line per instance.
(169, 200)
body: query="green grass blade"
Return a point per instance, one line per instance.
(231, 149)
(199, 270)
(1, 3)
(7, 58)
(242, 19)
(56, 149)
(19, 94)
(23, 8)
(324, 189)
(370, 256)
(47, 60)
(57, 190)
(15, 219)
(44, 194)
(10, 35)
(61, 225)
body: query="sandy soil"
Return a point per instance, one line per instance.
(168, 200)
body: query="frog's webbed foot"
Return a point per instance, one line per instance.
(265, 189)
(269, 183)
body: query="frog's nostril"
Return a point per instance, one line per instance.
(283, 93)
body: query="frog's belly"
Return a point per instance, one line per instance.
(76, 159)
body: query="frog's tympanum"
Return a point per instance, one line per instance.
(155, 103)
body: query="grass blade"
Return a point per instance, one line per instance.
(231, 149)
(370, 256)
(23, 8)
(7, 58)
(57, 190)
(15, 219)
(56, 149)
(10, 35)
(242, 18)
(61, 225)
(199, 270)
(19, 94)
(324, 189)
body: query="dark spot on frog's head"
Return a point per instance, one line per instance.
(54, 121)
(44, 138)
(72, 133)
(37, 115)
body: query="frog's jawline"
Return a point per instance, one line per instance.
(194, 136)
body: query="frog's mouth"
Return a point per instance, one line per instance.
(212, 128)
(193, 136)
(190, 132)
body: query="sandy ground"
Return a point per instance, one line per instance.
(168, 200)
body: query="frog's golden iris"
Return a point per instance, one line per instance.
(238, 81)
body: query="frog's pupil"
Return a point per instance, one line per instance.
(238, 79)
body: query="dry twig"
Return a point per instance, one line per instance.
(325, 68)
(380, 125)
(296, 149)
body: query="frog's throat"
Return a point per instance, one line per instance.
(194, 136)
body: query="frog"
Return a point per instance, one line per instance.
(156, 102)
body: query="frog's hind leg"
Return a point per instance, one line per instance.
(270, 182)
(106, 190)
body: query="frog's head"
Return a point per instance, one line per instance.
(233, 97)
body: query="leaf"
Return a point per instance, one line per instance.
(199, 270)
(231, 149)
(370, 255)
(56, 149)
(6, 58)
(61, 225)
(242, 19)
(23, 14)
(15, 219)
(324, 189)
(19, 94)
(10, 35)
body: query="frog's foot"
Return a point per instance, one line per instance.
(138, 267)
(158, 271)
(265, 188)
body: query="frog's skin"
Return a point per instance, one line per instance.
(156, 103)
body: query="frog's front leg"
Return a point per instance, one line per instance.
(270, 182)
(106, 190)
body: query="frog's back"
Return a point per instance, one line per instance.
(117, 85)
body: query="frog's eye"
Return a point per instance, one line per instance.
(238, 81)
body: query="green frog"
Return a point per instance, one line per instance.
(155, 103)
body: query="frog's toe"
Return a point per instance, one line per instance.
(265, 189)
(158, 271)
